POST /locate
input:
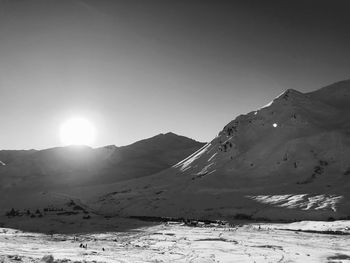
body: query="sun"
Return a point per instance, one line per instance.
(77, 131)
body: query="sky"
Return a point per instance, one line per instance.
(135, 69)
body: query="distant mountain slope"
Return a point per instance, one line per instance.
(67, 167)
(149, 156)
(287, 160)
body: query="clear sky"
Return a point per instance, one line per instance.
(139, 68)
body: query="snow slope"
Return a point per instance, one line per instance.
(24, 174)
(286, 161)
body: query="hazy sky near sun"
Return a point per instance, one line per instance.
(139, 68)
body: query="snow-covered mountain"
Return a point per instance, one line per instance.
(67, 167)
(287, 160)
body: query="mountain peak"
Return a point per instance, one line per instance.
(171, 134)
(296, 148)
(287, 95)
(167, 134)
(290, 93)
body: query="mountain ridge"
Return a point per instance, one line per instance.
(289, 159)
(79, 165)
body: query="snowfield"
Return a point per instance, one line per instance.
(175, 242)
(286, 162)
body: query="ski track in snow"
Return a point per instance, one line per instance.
(178, 243)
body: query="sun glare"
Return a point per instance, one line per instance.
(77, 131)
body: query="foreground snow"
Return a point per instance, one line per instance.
(179, 243)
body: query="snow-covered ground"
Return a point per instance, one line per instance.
(174, 242)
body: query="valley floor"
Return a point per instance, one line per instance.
(174, 242)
